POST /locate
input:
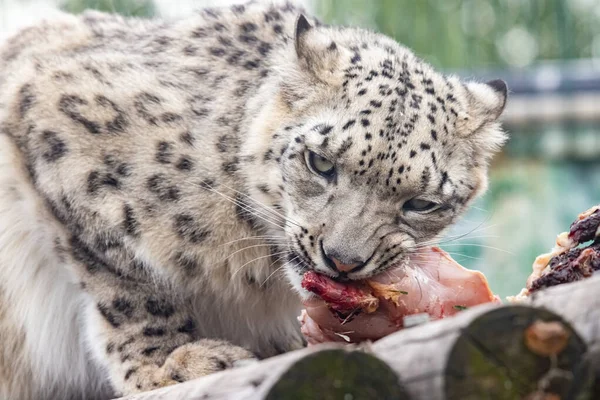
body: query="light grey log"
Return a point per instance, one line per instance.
(420, 355)
(254, 381)
(482, 353)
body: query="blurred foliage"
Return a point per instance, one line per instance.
(479, 33)
(134, 8)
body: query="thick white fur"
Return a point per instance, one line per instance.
(41, 295)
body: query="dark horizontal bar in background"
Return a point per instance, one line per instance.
(547, 77)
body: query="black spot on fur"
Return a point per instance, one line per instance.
(164, 152)
(123, 306)
(252, 64)
(189, 327)
(217, 51)
(126, 343)
(248, 27)
(142, 103)
(187, 138)
(130, 223)
(230, 167)
(444, 179)
(268, 155)
(110, 347)
(159, 185)
(148, 351)
(244, 211)
(124, 169)
(208, 183)
(219, 364)
(108, 315)
(248, 39)
(188, 228)
(69, 105)
(348, 124)
(413, 153)
(26, 100)
(119, 122)
(224, 144)
(190, 50)
(355, 58)
(56, 146)
(85, 256)
(238, 9)
(130, 372)
(263, 188)
(154, 331)
(110, 180)
(159, 307)
(323, 129)
(264, 48)
(170, 118)
(93, 182)
(425, 177)
(184, 164)
(344, 147)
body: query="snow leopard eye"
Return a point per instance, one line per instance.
(419, 205)
(319, 165)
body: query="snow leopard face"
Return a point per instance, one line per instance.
(384, 152)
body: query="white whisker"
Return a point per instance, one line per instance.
(278, 269)
(270, 209)
(245, 248)
(247, 208)
(256, 259)
(270, 239)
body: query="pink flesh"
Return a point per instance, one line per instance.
(432, 283)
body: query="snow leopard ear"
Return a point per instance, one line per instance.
(485, 103)
(488, 98)
(317, 54)
(302, 27)
(479, 120)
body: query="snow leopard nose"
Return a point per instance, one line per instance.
(342, 267)
(339, 263)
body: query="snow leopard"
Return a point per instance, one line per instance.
(166, 184)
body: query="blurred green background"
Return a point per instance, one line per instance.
(547, 50)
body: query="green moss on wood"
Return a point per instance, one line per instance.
(490, 360)
(338, 375)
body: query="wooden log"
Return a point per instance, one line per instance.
(538, 350)
(321, 372)
(338, 374)
(509, 352)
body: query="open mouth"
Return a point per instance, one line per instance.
(427, 283)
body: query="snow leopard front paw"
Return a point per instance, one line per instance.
(201, 358)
